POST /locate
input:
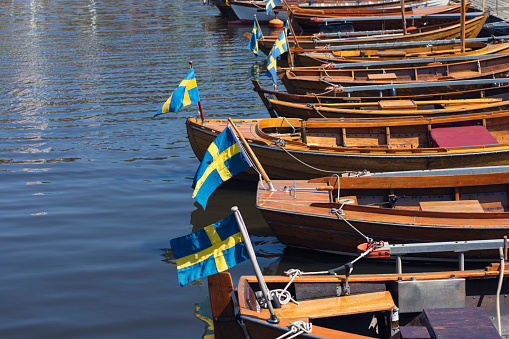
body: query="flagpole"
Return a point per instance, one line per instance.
(253, 156)
(291, 27)
(258, 25)
(199, 103)
(261, 282)
(289, 50)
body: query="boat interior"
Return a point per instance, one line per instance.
(393, 133)
(446, 193)
(365, 305)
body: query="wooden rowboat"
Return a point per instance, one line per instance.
(441, 53)
(318, 80)
(292, 148)
(359, 21)
(400, 208)
(409, 10)
(485, 90)
(386, 108)
(359, 306)
(472, 29)
(246, 10)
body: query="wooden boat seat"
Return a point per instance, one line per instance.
(461, 206)
(338, 306)
(394, 53)
(446, 77)
(384, 76)
(458, 136)
(397, 104)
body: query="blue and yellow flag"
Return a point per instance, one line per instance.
(270, 4)
(186, 94)
(223, 159)
(279, 47)
(210, 250)
(253, 42)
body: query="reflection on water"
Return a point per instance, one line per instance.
(94, 186)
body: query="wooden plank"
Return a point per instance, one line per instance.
(461, 206)
(389, 53)
(383, 76)
(337, 306)
(397, 104)
(221, 302)
(468, 322)
(414, 332)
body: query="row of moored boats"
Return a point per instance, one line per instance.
(392, 130)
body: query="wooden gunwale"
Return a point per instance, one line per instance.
(360, 110)
(318, 58)
(439, 181)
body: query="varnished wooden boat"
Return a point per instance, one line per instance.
(246, 10)
(293, 148)
(485, 90)
(387, 108)
(441, 53)
(400, 208)
(458, 304)
(409, 9)
(319, 80)
(472, 29)
(390, 19)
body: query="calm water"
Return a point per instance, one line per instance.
(92, 187)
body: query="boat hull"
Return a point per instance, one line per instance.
(305, 218)
(305, 163)
(246, 10)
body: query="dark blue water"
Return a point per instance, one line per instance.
(91, 186)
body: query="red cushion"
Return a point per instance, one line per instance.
(461, 136)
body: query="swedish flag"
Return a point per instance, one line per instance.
(279, 47)
(270, 4)
(210, 250)
(224, 159)
(186, 94)
(253, 42)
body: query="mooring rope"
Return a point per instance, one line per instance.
(315, 109)
(339, 213)
(280, 143)
(297, 328)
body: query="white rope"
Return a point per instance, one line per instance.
(280, 142)
(283, 295)
(297, 328)
(339, 213)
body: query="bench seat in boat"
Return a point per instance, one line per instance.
(338, 306)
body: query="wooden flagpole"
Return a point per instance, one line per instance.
(462, 22)
(253, 156)
(290, 17)
(199, 103)
(403, 16)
